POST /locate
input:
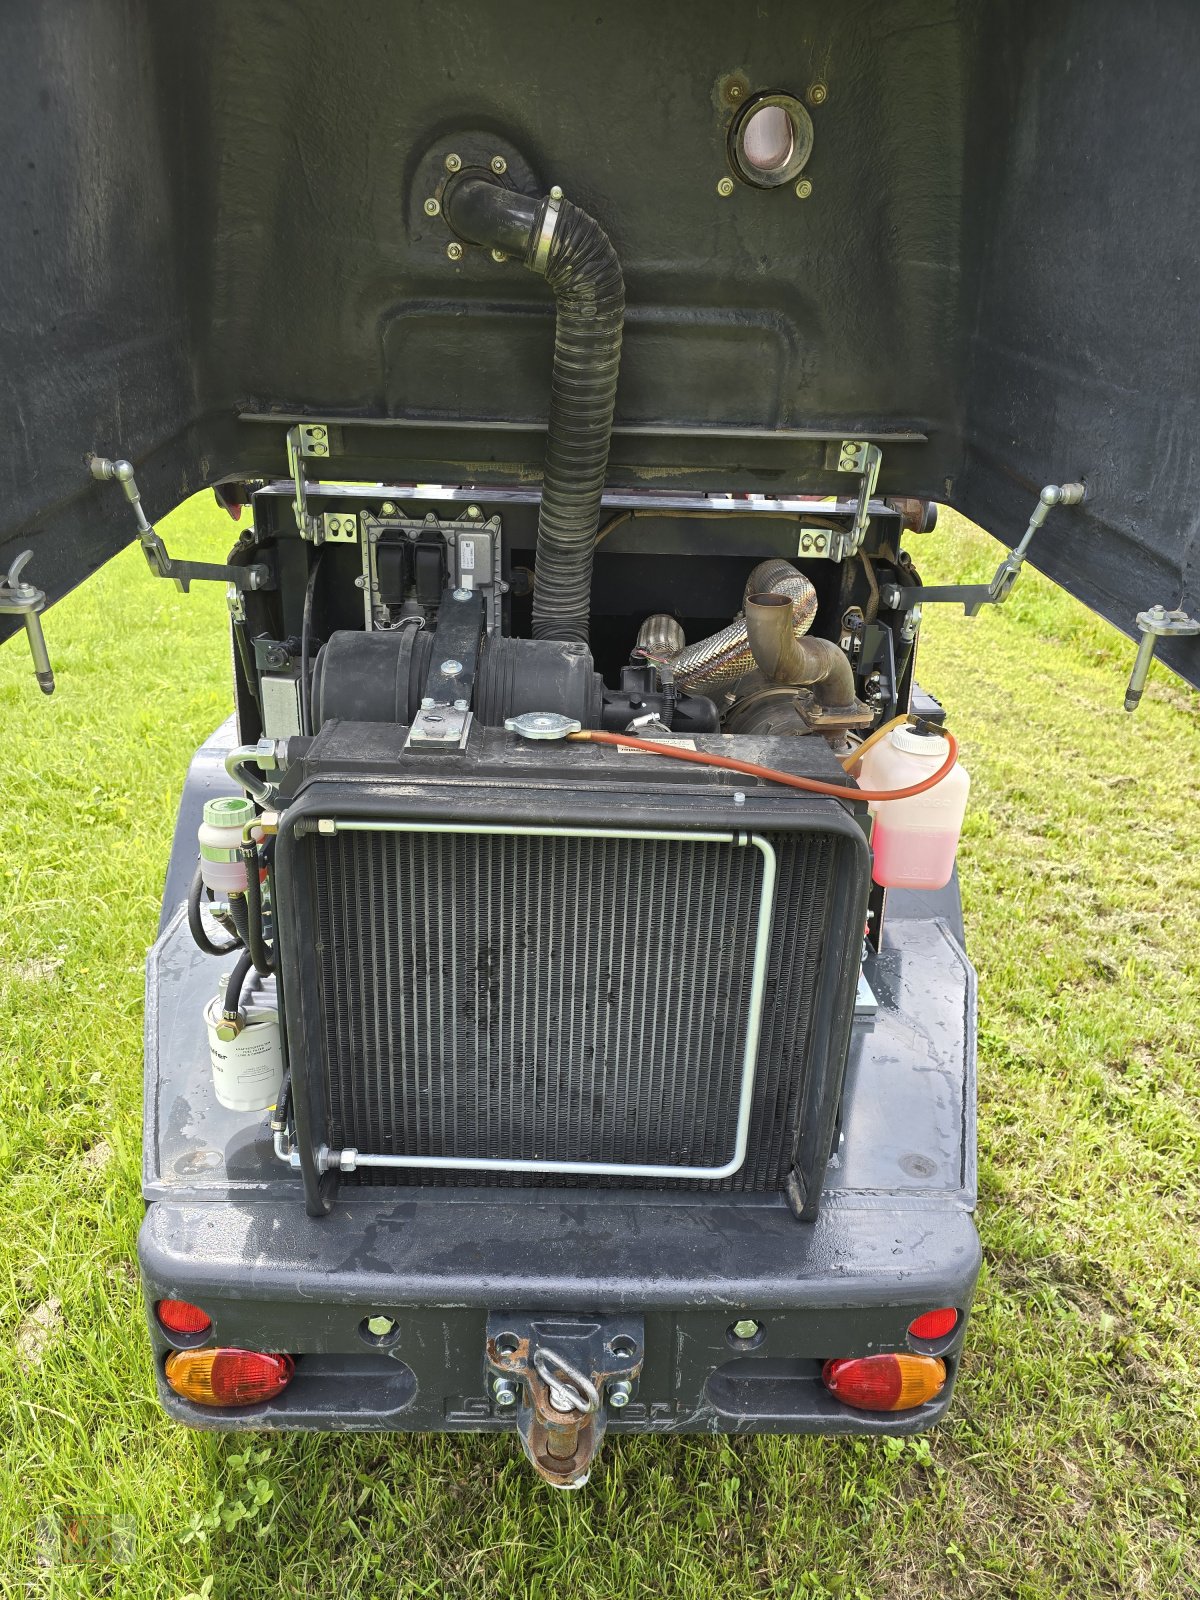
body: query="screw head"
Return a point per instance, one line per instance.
(620, 1394)
(818, 94)
(462, 594)
(474, 511)
(505, 1392)
(360, 582)
(388, 509)
(453, 163)
(227, 1031)
(499, 165)
(450, 668)
(734, 91)
(499, 255)
(555, 192)
(380, 1326)
(432, 206)
(739, 799)
(454, 250)
(803, 189)
(725, 187)
(746, 1328)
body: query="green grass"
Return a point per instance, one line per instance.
(1071, 1461)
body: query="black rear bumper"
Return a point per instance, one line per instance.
(847, 1285)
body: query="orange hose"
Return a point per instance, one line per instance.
(851, 761)
(702, 758)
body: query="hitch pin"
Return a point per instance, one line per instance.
(18, 598)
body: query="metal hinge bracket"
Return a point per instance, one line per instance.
(1155, 624)
(314, 440)
(864, 459)
(973, 596)
(163, 565)
(21, 599)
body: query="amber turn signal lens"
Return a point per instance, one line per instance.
(934, 1324)
(885, 1383)
(228, 1377)
(181, 1316)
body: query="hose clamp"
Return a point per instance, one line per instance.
(541, 251)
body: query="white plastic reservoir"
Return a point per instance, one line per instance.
(914, 841)
(220, 839)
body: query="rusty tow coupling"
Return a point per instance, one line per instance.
(561, 1411)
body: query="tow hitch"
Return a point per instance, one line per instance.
(563, 1374)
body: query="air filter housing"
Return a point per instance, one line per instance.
(566, 965)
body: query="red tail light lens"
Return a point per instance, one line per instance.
(934, 1324)
(885, 1383)
(228, 1377)
(180, 1316)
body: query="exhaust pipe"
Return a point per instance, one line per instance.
(561, 243)
(818, 665)
(726, 657)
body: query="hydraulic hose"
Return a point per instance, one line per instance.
(196, 921)
(306, 617)
(702, 758)
(561, 243)
(239, 916)
(255, 943)
(233, 989)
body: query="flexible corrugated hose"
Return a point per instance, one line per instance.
(573, 253)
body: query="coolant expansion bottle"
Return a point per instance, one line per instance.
(220, 840)
(914, 841)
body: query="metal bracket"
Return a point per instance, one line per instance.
(339, 527)
(1155, 624)
(444, 720)
(973, 596)
(181, 573)
(18, 598)
(558, 1371)
(861, 457)
(315, 440)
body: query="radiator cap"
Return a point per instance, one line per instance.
(542, 725)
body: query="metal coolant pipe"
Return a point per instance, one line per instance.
(561, 243)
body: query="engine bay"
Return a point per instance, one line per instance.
(360, 616)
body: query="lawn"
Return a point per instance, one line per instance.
(1071, 1460)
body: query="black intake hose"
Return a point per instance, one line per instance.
(572, 252)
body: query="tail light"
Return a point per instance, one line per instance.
(228, 1377)
(885, 1383)
(934, 1324)
(181, 1316)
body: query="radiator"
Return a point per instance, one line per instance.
(633, 1008)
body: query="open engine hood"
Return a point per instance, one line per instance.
(215, 216)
